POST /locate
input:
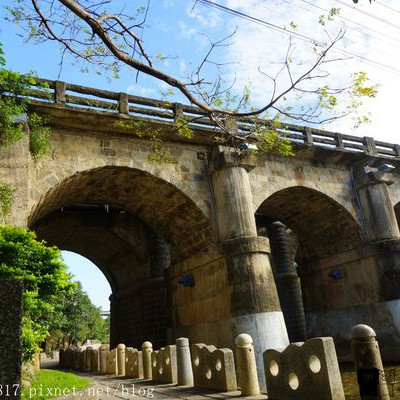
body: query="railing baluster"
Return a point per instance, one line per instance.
(59, 92)
(369, 143)
(123, 103)
(339, 141)
(309, 137)
(178, 111)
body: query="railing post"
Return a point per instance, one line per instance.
(369, 143)
(396, 148)
(339, 141)
(246, 363)
(230, 124)
(59, 92)
(147, 349)
(121, 359)
(309, 137)
(185, 372)
(123, 103)
(178, 111)
(368, 363)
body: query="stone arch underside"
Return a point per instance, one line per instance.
(118, 243)
(132, 225)
(156, 203)
(323, 227)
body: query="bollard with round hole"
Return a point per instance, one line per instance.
(368, 364)
(121, 359)
(246, 365)
(147, 349)
(103, 359)
(184, 362)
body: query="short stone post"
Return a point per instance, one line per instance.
(95, 360)
(88, 365)
(368, 364)
(121, 359)
(184, 362)
(103, 359)
(147, 349)
(246, 365)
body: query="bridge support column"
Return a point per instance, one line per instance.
(378, 214)
(254, 304)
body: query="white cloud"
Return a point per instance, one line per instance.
(141, 91)
(205, 17)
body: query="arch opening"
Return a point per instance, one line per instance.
(321, 225)
(118, 218)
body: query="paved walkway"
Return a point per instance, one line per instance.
(107, 387)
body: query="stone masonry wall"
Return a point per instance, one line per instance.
(10, 337)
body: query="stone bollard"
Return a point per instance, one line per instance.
(121, 359)
(147, 349)
(88, 364)
(368, 364)
(103, 359)
(246, 365)
(95, 363)
(184, 362)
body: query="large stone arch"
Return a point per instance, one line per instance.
(132, 225)
(323, 226)
(276, 174)
(156, 202)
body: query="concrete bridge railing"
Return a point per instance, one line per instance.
(157, 111)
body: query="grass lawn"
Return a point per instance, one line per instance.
(49, 384)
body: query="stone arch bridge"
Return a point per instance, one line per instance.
(183, 243)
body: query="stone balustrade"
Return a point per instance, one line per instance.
(301, 371)
(304, 371)
(213, 368)
(133, 363)
(163, 364)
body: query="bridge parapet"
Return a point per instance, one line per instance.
(82, 98)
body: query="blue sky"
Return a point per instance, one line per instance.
(183, 34)
(93, 281)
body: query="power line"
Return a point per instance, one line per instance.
(384, 21)
(355, 23)
(386, 6)
(309, 39)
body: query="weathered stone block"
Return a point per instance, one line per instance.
(163, 364)
(213, 368)
(134, 363)
(304, 371)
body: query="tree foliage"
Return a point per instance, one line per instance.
(77, 319)
(45, 280)
(102, 34)
(13, 86)
(54, 307)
